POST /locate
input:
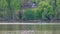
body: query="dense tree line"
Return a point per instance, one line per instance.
(45, 9)
(8, 8)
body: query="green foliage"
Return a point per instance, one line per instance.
(15, 7)
(3, 8)
(3, 4)
(28, 15)
(58, 2)
(46, 9)
(15, 4)
(8, 8)
(43, 10)
(58, 9)
(38, 14)
(35, 1)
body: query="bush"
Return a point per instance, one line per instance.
(45, 9)
(28, 15)
(34, 1)
(38, 14)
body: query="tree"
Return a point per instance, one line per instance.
(58, 9)
(3, 8)
(15, 4)
(45, 9)
(13, 8)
